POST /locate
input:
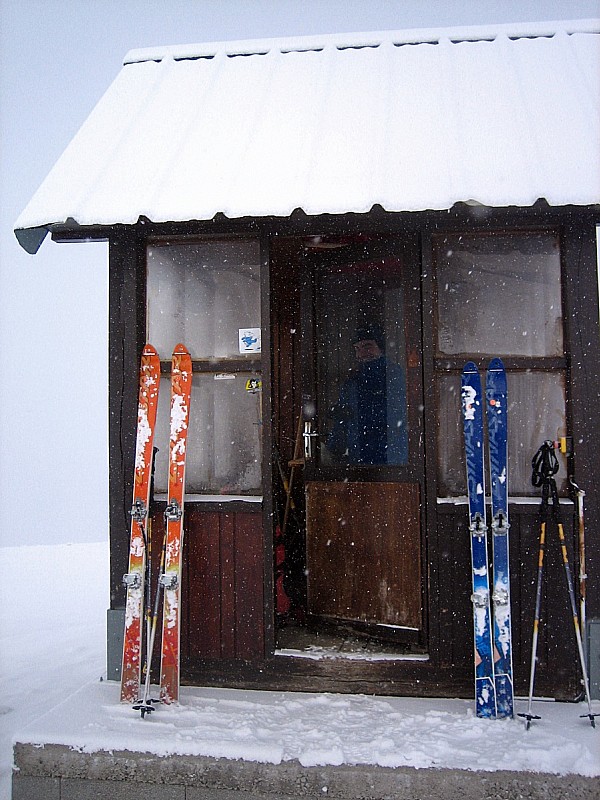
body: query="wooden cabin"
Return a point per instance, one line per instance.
(436, 189)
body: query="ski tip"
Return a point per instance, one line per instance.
(496, 365)
(180, 350)
(149, 350)
(469, 368)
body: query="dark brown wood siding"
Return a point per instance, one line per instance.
(286, 258)
(223, 585)
(583, 347)
(212, 542)
(127, 298)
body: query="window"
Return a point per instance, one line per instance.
(361, 369)
(500, 295)
(202, 294)
(207, 296)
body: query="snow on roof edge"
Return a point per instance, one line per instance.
(343, 41)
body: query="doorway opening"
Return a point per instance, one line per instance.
(347, 455)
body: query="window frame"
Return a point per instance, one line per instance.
(253, 363)
(453, 364)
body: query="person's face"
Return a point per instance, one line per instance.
(367, 350)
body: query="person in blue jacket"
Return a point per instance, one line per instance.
(369, 420)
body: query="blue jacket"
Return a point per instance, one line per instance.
(369, 421)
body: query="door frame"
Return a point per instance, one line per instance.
(407, 248)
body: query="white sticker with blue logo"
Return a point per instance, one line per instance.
(249, 339)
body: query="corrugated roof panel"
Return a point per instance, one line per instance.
(332, 126)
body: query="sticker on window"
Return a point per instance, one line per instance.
(253, 385)
(249, 339)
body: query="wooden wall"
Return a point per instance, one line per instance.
(286, 260)
(557, 669)
(222, 584)
(224, 622)
(223, 595)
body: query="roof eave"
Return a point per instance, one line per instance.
(31, 239)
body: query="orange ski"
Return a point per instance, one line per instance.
(181, 386)
(134, 578)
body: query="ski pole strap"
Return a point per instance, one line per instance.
(544, 467)
(544, 464)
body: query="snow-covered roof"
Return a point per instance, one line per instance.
(412, 120)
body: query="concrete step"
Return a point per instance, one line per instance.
(56, 772)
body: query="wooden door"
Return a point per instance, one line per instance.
(364, 552)
(362, 396)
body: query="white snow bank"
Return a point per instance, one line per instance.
(52, 643)
(53, 601)
(322, 729)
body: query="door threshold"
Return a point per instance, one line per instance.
(300, 641)
(317, 653)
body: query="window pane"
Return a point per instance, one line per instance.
(361, 357)
(224, 435)
(536, 412)
(203, 294)
(499, 295)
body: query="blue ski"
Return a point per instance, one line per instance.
(496, 404)
(472, 412)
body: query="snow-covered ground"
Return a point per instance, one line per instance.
(53, 601)
(53, 604)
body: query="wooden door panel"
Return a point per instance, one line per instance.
(364, 552)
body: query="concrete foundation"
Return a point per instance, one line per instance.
(55, 772)
(115, 626)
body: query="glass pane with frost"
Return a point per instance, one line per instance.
(499, 295)
(202, 294)
(536, 412)
(224, 451)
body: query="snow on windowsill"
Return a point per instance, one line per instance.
(462, 500)
(215, 498)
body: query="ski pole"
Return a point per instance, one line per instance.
(544, 466)
(147, 534)
(563, 546)
(145, 705)
(295, 462)
(580, 494)
(529, 715)
(148, 587)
